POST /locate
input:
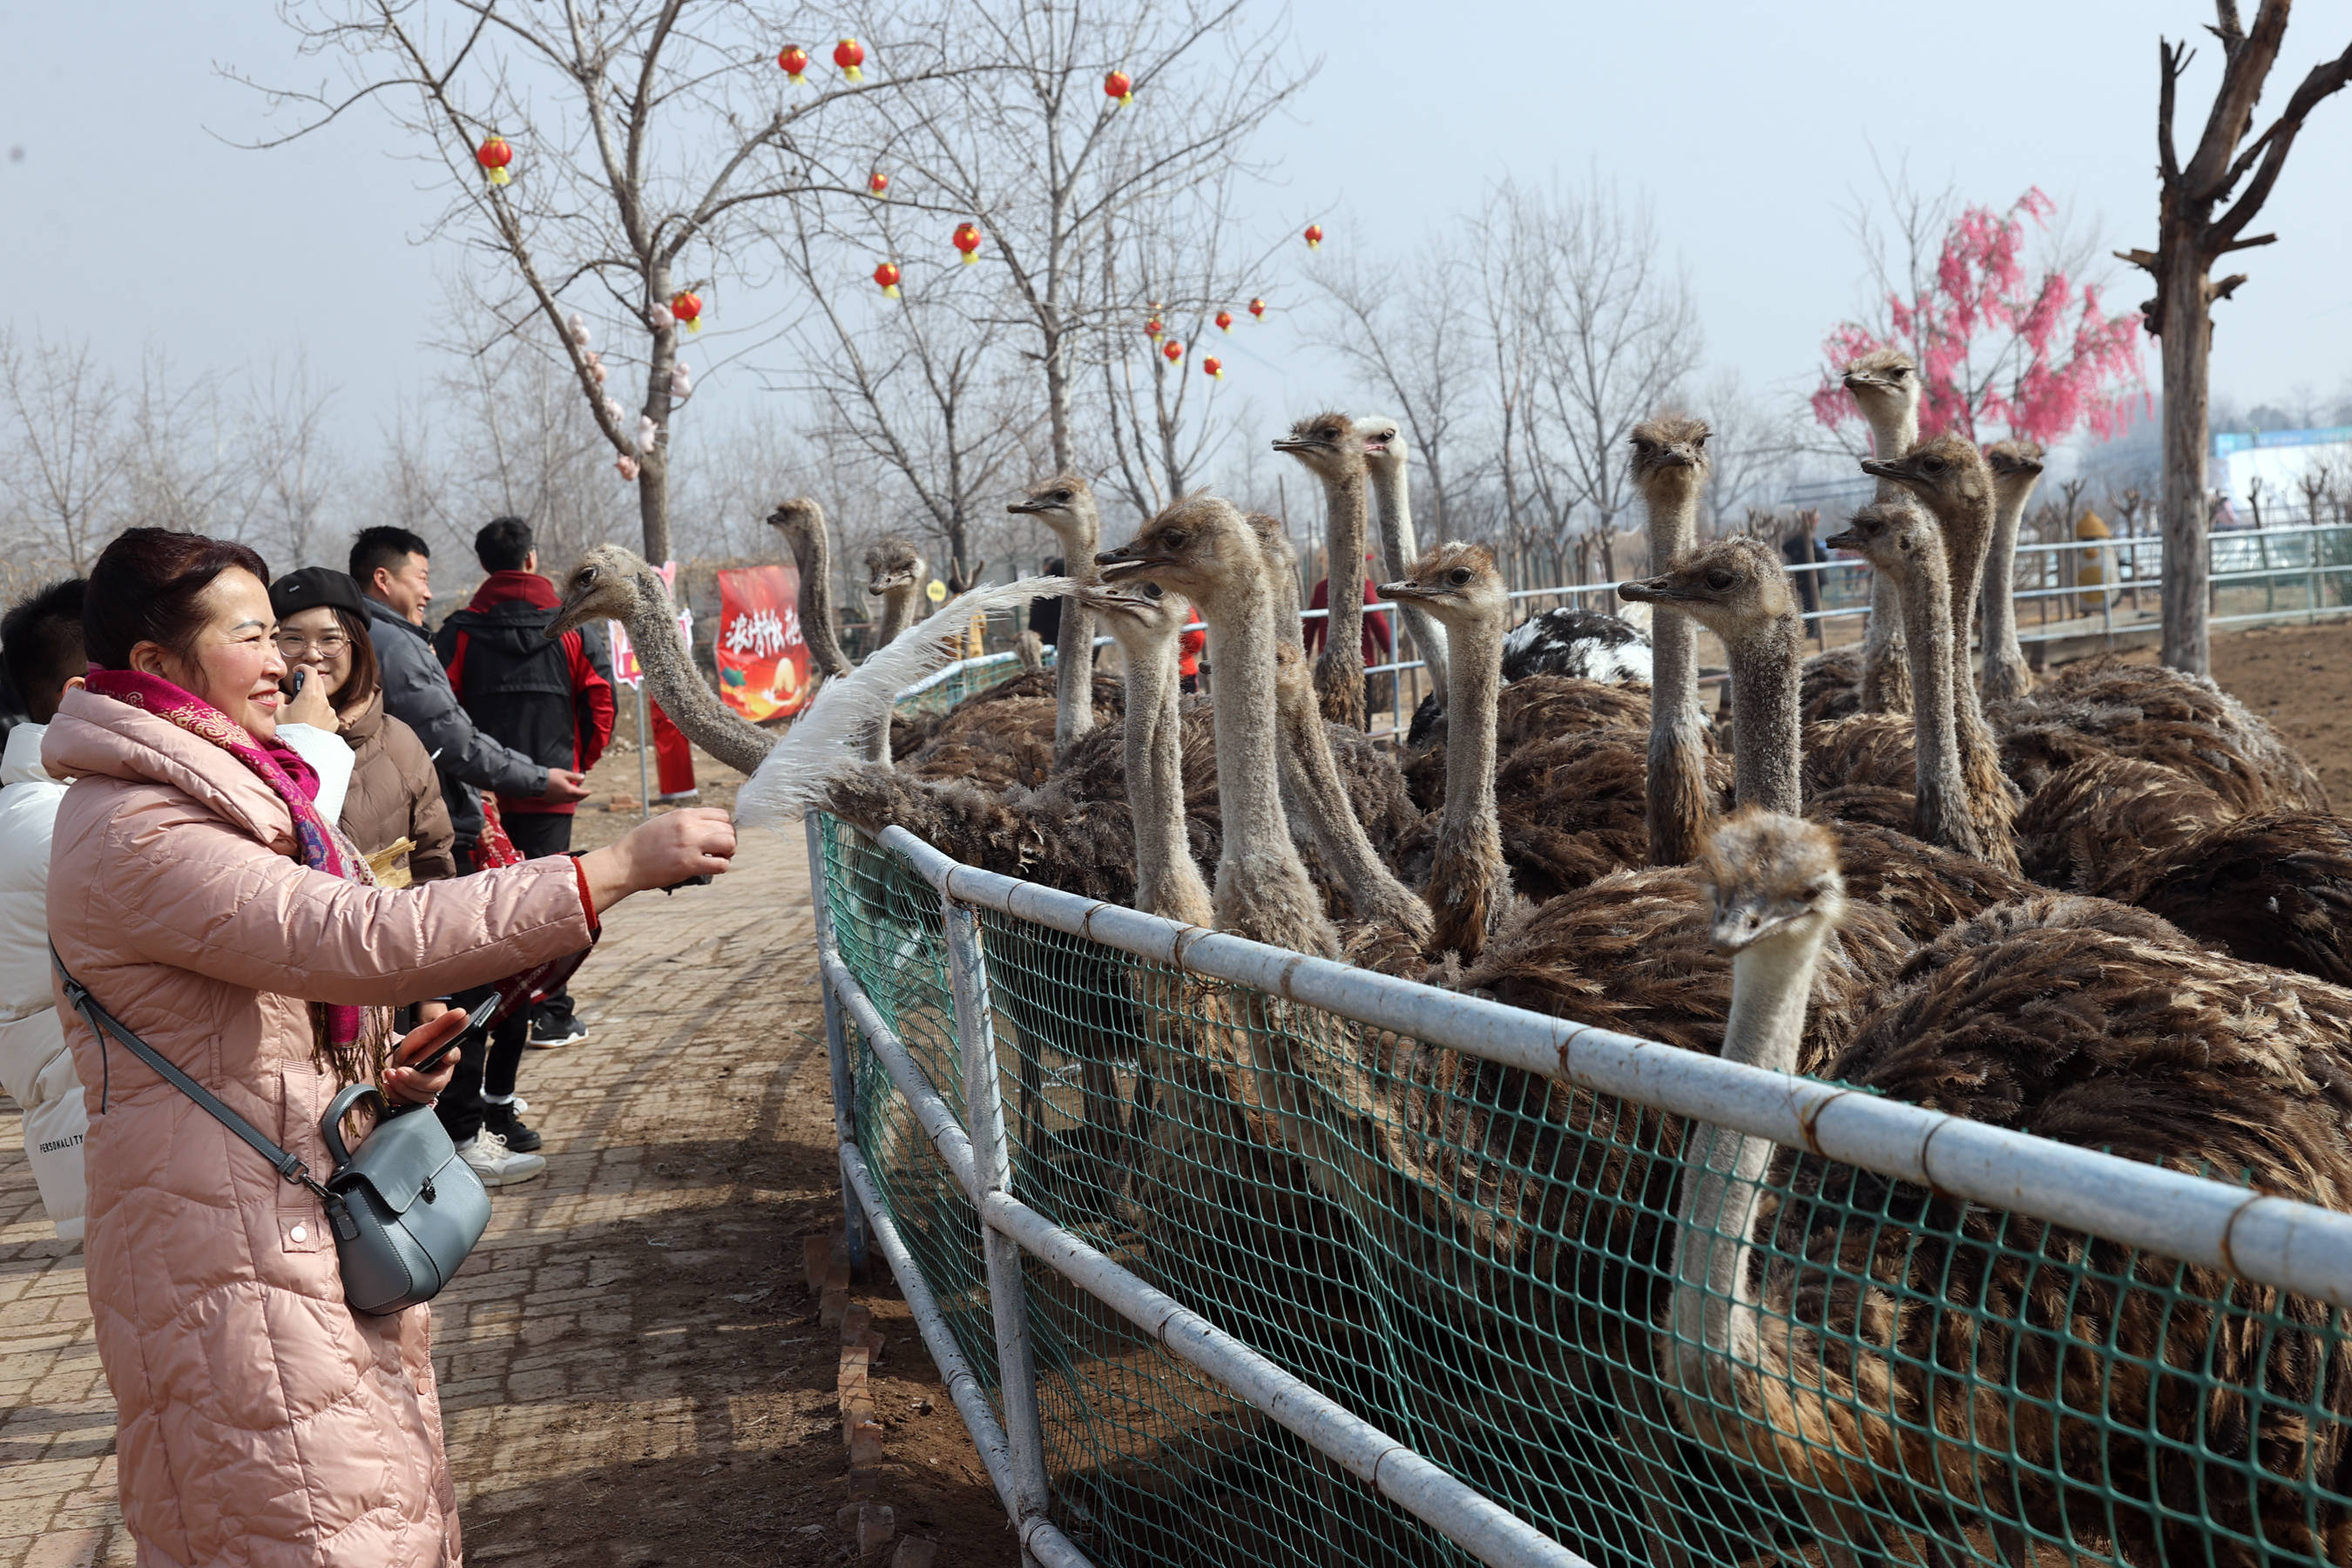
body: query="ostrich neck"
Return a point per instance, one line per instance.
(1074, 656)
(1714, 1306)
(1339, 672)
(1677, 760)
(897, 615)
(1467, 875)
(1885, 676)
(1393, 501)
(1767, 672)
(681, 692)
(1968, 535)
(1262, 889)
(1167, 882)
(813, 555)
(1940, 787)
(2004, 660)
(1310, 774)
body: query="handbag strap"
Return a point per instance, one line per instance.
(287, 1166)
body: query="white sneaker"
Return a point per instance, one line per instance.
(498, 1165)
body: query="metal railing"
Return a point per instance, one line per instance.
(1233, 1255)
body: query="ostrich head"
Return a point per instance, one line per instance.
(2016, 465)
(1064, 503)
(1139, 615)
(609, 584)
(1326, 443)
(1771, 879)
(1726, 585)
(1890, 535)
(1886, 384)
(1946, 473)
(1200, 547)
(1670, 455)
(1385, 443)
(894, 566)
(797, 519)
(1458, 584)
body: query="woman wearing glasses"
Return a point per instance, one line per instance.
(393, 810)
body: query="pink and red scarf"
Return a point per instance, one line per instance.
(339, 1029)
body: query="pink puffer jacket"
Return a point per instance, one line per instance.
(261, 1422)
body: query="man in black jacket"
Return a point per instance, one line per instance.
(551, 700)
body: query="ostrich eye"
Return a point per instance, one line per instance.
(1152, 590)
(1459, 575)
(1700, 442)
(1934, 465)
(1061, 497)
(1898, 373)
(1718, 580)
(1807, 895)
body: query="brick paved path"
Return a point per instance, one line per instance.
(631, 1371)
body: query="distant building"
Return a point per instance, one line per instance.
(2280, 460)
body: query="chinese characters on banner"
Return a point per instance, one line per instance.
(625, 668)
(763, 664)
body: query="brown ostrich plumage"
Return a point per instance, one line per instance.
(1533, 707)
(2092, 1024)
(2272, 889)
(1000, 737)
(2096, 817)
(1865, 749)
(1830, 685)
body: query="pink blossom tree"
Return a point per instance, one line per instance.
(2000, 351)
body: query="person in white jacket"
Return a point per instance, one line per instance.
(40, 643)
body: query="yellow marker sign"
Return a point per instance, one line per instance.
(937, 591)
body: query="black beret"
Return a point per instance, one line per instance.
(313, 586)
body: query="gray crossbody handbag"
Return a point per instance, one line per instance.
(405, 1209)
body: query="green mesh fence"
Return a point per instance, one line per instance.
(965, 678)
(1483, 1263)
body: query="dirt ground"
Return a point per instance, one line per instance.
(2300, 679)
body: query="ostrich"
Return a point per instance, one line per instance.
(896, 573)
(802, 523)
(611, 583)
(1670, 467)
(1893, 1366)
(2016, 467)
(1145, 621)
(1951, 479)
(1886, 386)
(1328, 445)
(1065, 503)
(1386, 460)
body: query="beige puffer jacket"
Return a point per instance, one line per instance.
(395, 794)
(260, 1423)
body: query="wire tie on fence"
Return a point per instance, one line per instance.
(1086, 921)
(2229, 1229)
(1290, 969)
(1374, 1480)
(1927, 1171)
(1568, 1043)
(1806, 1119)
(1183, 945)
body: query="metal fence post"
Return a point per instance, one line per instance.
(1008, 1296)
(836, 1048)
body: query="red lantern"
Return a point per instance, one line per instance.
(886, 275)
(1214, 366)
(1224, 320)
(1314, 236)
(1257, 310)
(966, 239)
(1153, 327)
(794, 61)
(494, 155)
(686, 305)
(878, 183)
(1117, 86)
(1173, 350)
(850, 54)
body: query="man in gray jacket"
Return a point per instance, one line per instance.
(393, 568)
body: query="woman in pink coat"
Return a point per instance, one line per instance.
(197, 893)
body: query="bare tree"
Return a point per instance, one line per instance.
(65, 459)
(1032, 149)
(289, 457)
(918, 384)
(2194, 231)
(187, 465)
(647, 137)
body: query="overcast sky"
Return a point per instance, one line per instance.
(125, 216)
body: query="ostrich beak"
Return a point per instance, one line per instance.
(1029, 507)
(1747, 920)
(1295, 444)
(573, 615)
(1847, 539)
(1405, 591)
(1879, 470)
(1121, 562)
(1653, 591)
(1856, 380)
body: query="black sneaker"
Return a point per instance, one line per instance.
(549, 1034)
(502, 1121)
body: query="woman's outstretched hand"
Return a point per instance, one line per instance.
(676, 847)
(404, 1085)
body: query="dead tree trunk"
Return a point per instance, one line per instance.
(2195, 230)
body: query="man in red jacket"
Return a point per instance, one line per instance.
(551, 701)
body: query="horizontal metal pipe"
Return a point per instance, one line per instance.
(1039, 1536)
(2292, 1246)
(1459, 1512)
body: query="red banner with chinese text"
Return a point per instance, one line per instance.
(763, 664)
